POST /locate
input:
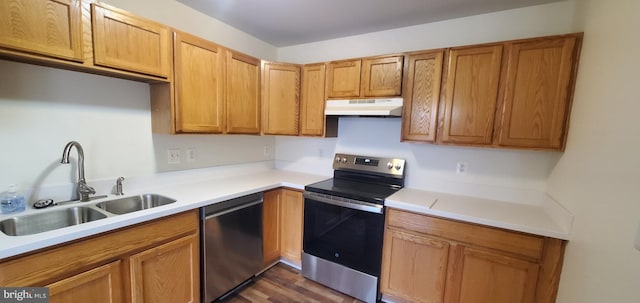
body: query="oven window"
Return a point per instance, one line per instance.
(349, 237)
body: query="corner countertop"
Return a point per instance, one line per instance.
(541, 220)
(196, 190)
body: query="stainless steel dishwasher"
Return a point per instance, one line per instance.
(231, 244)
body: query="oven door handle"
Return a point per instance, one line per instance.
(353, 204)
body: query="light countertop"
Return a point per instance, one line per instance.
(549, 220)
(204, 189)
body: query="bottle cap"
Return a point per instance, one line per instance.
(12, 188)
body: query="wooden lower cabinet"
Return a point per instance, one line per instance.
(156, 261)
(429, 259)
(282, 226)
(416, 268)
(271, 227)
(102, 284)
(167, 273)
(482, 276)
(291, 217)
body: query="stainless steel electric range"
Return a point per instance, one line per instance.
(344, 224)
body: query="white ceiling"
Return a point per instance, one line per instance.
(290, 22)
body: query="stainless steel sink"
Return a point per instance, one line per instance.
(134, 203)
(37, 223)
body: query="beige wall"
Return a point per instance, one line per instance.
(598, 178)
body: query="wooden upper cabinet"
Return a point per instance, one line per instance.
(199, 85)
(343, 78)
(47, 27)
(280, 98)
(242, 94)
(312, 118)
(421, 96)
(368, 77)
(382, 77)
(470, 95)
(126, 42)
(100, 285)
(538, 90)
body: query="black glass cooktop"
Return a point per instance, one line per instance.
(354, 189)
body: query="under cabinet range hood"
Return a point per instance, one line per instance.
(364, 107)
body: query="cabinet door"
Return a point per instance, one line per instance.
(382, 76)
(242, 94)
(123, 41)
(167, 273)
(47, 27)
(102, 284)
(414, 267)
(420, 110)
(312, 118)
(537, 93)
(343, 79)
(291, 217)
(198, 85)
(480, 276)
(281, 98)
(271, 227)
(470, 95)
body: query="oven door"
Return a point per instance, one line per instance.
(344, 233)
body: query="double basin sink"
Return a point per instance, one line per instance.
(51, 220)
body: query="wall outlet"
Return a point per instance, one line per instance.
(191, 155)
(267, 150)
(174, 156)
(461, 167)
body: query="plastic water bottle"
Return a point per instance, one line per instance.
(11, 202)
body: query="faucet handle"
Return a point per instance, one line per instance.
(86, 189)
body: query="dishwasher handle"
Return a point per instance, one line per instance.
(223, 207)
(230, 210)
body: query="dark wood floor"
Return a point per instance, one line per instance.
(282, 283)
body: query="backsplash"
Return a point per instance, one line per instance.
(501, 174)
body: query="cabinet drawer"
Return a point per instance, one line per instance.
(507, 241)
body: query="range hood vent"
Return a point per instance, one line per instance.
(364, 107)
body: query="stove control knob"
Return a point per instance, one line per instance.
(344, 160)
(398, 166)
(389, 165)
(337, 159)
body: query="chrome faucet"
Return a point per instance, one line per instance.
(83, 189)
(119, 186)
